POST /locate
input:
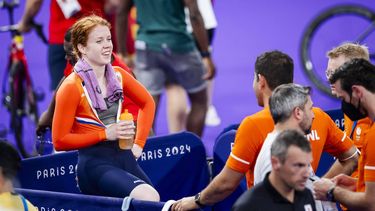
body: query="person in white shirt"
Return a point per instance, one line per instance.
(291, 108)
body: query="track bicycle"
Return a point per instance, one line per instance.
(330, 28)
(18, 93)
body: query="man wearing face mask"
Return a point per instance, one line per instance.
(356, 124)
(354, 83)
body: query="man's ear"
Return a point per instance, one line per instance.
(276, 163)
(298, 113)
(261, 81)
(357, 91)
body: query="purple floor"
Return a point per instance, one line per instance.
(246, 29)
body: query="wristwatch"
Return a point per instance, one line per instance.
(330, 196)
(197, 200)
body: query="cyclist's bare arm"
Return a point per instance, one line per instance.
(31, 10)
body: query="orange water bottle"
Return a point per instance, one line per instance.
(126, 143)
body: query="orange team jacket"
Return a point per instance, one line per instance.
(357, 133)
(76, 124)
(324, 136)
(366, 164)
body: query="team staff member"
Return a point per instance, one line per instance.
(291, 108)
(355, 85)
(271, 70)
(336, 57)
(88, 105)
(284, 187)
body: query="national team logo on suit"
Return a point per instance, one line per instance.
(358, 132)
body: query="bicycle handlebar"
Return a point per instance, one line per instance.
(36, 26)
(10, 5)
(11, 28)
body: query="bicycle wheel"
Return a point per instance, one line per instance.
(332, 27)
(24, 112)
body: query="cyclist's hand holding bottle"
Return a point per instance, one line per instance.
(120, 130)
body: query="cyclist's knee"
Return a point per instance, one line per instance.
(145, 192)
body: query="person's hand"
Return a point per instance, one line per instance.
(44, 122)
(186, 203)
(120, 130)
(24, 26)
(210, 67)
(321, 188)
(345, 181)
(137, 151)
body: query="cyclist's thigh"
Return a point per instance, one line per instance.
(56, 64)
(129, 164)
(148, 72)
(116, 182)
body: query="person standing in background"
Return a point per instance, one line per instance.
(166, 52)
(177, 105)
(210, 23)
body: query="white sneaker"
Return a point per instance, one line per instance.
(212, 118)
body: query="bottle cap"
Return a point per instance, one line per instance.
(126, 116)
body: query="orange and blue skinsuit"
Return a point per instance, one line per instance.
(103, 168)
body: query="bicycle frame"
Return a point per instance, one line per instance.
(17, 57)
(357, 11)
(18, 93)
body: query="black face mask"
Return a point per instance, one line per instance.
(351, 111)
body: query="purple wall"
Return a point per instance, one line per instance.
(246, 29)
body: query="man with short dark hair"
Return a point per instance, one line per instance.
(284, 187)
(355, 86)
(355, 129)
